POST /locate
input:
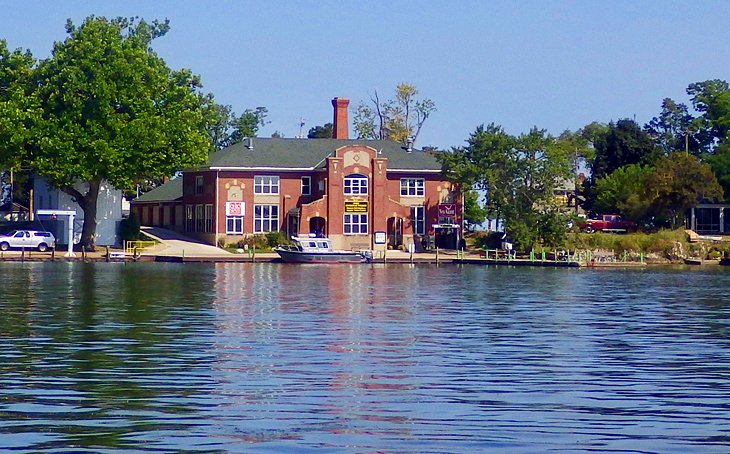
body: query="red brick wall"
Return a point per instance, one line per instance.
(383, 194)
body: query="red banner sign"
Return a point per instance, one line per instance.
(235, 208)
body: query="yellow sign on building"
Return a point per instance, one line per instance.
(356, 206)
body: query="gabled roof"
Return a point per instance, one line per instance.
(168, 192)
(312, 154)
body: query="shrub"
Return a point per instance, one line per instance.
(259, 241)
(129, 228)
(248, 241)
(274, 239)
(662, 242)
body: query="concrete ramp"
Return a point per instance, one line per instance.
(174, 244)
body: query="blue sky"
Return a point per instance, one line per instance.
(553, 64)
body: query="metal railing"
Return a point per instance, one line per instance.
(134, 247)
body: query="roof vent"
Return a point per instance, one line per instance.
(409, 145)
(249, 142)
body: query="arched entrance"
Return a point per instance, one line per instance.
(395, 232)
(318, 225)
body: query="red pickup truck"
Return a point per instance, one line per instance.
(608, 223)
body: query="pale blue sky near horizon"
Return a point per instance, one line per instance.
(552, 64)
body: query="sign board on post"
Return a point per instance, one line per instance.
(379, 237)
(447, 210)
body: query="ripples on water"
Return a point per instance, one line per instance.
(276, 358)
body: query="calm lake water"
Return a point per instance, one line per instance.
(145, 357)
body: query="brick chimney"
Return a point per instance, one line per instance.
(340, 125)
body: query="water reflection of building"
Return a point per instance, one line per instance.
(344, 333)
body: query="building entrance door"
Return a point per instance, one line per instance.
(395, 232)
(317, 225)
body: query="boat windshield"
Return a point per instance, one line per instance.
(313, 244)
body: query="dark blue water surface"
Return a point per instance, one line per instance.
(145, 357)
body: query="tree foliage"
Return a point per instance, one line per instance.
(399, 119)
(321, 132)
(225, 128)
(678, 182)
(110, 110)
(719, 161)
(623, 143)
(675, 129)
(623, 192)
(712, 99)
(519, 176)
(18, 108)
(474, 213)
(247, 124)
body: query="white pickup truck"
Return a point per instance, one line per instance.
(27, 239)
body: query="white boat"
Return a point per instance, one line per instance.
(318, 250)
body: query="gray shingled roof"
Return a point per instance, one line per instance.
(172, 190)
(311, 153)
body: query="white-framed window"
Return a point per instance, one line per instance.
(356, 224)
(306, 185)
(265, 184)
(418, 218)
(265, 218)
(199, 184)
(209, 218)
(411, 186)
(234, 225)
(189, 219)
(356, 184)
(234, 217)
(199, 218)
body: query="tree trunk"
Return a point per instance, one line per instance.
(87, 202)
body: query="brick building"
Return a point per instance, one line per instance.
(363, 194)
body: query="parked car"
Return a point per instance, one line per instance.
(28, 239)
(608, 223)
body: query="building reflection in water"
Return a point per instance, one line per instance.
(337, 340)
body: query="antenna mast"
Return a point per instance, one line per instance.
(301, 127)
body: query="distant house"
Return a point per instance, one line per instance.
(709, 218)
(360, 193)
(109, 211)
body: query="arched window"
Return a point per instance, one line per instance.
(356, 184)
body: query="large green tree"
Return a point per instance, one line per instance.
(676, 129)
(623, 143)
(712, 99)
(399, 119)
(518, 176)
(719, 161)
(678, 182)
(623, 192)
(616, 145)
(112, 110)
(225, 128)
(18, 111)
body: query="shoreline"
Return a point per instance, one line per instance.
(395, 257)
